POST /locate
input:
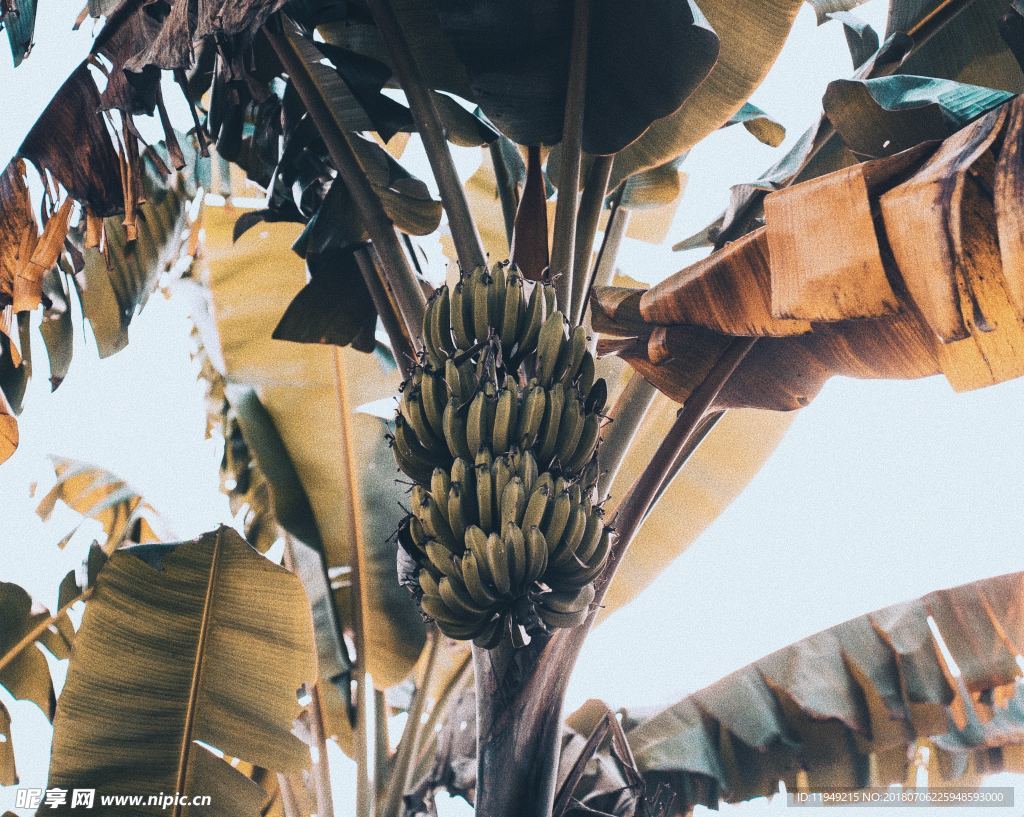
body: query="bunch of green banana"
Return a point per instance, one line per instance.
(498, 426)
(499, 545)
(499, 370)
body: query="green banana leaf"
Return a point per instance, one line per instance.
(20, 23)
(883, 116)
(846, 705)
(205, 650)
(406, 199)
(752, 33)
(310, 393)
(23, 629)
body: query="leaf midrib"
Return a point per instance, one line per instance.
(197, 671)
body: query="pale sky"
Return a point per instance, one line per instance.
(880, 492)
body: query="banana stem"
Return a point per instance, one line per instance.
(321, 768)
(627, 414)
(381, 745)
(586, 228)
(401, 773)
(402, 345)
(563, 244)
(366, 792)
(507, 192)
(399, 276)
(614, 232)
(428, 125)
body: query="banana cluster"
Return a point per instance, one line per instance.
(498, 426)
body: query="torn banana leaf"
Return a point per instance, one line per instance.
(71, 141)
(961, 44)
(820, 310)
(846, 705)
(20, 22)
(239, 630)
(97, 494)
(9, 436)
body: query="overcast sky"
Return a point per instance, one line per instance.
(880, 491)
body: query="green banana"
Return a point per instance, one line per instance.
(455, 431)
(515, 544)
(570, 429)
(432, 394)
(549, 346)
(457, 312)
(496, 297)
(586, 445)
(554, 525)
(497, 559)
(513, 311)
(505, 419)
(548, 441)
(441, 558)
(531, 324)
(477, 434)
(531, 416)
(561, 621)
(412, 457)
(572, 535)
(485, 499)
(480, 590)
(513, 502)
(537, 506)
(481, 304)
(458, 599)
(567, 601)
(597, 396)
(587, 373)
(536, 554)
(528, 470)
(577, 352)
(427, 582)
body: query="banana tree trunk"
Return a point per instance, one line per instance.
(519, 713)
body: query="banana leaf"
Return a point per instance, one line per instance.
(846, 705)
(8, 429)
(24, 627)
(195, 647)
(310, 393)
(8, 771)
(20, 23)
(751, 33)
(116, 284)
(883, 116)
(97, 494)
(961, 43)
(759, 124)
(729, 457)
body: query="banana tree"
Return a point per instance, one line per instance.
(535, 506)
